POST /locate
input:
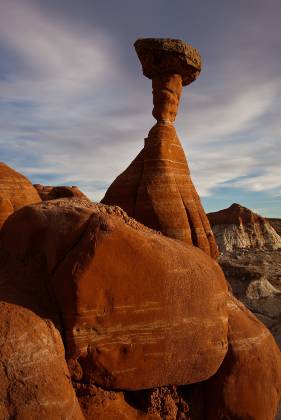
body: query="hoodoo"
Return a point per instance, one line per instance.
(156, 189)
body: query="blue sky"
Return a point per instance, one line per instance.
(75, 107)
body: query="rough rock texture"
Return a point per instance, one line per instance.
(34, 378)
(255, 279)
(238, 227)
(239, 389)
(156, 189)
(168, 56)
(15, 192)
(98, 404)
(53, 193)
(276, 224)
(135, 307)
(168, 403)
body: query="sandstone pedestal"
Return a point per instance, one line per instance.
(156, 189)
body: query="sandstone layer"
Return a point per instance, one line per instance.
(238, 227)
(156, 189)
(47, 192)
(135, 309)
(15, 192)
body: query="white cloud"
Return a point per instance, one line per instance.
(70, 113)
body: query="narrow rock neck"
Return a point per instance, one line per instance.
(166, 90)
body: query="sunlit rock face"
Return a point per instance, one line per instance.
(240, 228)
(135, 308)
(156, 189)
(15, 192)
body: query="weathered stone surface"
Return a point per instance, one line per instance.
(168, 56)
(135, 307)
(238, 227)
(255, 279)
(53, 193)
(34, 377)
(156, 189)
(15, 191)
(276, 224)
(248, 384)
(98, 404)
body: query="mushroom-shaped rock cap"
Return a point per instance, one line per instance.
(161, 55)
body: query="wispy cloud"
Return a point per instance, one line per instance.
(72, 111)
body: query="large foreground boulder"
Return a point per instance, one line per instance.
(135, 307)
(15, 192)
(137, 310)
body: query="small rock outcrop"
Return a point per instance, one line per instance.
(156, 189)
(15, 192)
(238, 227)
(53, 193)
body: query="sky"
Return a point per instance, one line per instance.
(75, 107)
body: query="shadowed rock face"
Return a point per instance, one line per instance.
(15, 192)
(238, 227)
(156, 188)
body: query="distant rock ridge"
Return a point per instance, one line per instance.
(16, 191)
(238, 227)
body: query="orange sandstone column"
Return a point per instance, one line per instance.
(156, 188)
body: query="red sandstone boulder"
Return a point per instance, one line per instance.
(248, 384)
(53, 193)
(34, 378)
(136, 310)
(15, 192)
(238, 227)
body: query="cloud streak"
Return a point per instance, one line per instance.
(75, 110)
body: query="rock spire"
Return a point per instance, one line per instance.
(156, 189)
